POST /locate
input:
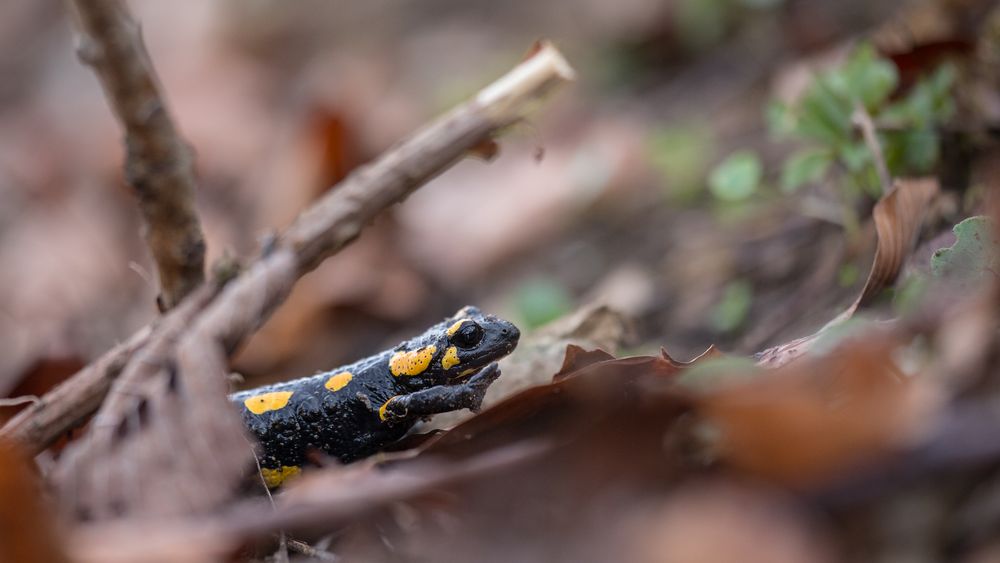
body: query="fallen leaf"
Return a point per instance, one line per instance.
(715, 522)
(27, 527)
(898, 217)
(973, 257)
(819, 417)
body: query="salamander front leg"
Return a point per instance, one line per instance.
(442, 398)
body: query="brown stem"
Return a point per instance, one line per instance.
(158, 162)
(863, 120)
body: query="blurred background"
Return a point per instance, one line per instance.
(658, 184)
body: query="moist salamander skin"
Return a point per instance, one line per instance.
(353, 411)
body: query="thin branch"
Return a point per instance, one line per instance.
(863, 120)
(321, 231)
(71, 402)
(158, 162)
(302, 548)
(23, 399)
(200, 351)
(338, 218)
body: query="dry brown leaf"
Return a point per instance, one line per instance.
(898, 216)
(542, 352)
(710, 353)
(590, 385)
(716, 522)
(27, 533)
(819, 417)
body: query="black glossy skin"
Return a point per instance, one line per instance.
(346, 423)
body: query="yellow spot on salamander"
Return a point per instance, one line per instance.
(275, 477)
(381, 410)
(467, 372)
(454, 328)
(338, 381)
(450, 358)
(413, 362)
(260, 404)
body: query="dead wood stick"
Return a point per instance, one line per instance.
(61, 409)
(330, 224)
(200, 352)
(70, 403)
(338, 218)
(158, 162)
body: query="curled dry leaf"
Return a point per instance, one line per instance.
(710, 353)
(898, 216)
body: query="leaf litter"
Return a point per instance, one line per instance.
(825, 449)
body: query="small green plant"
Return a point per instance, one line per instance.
(832, 148)
(541, 300)
(737, 177)
(681, 155)
(734, 306)
(823, 120)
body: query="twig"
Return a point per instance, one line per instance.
(863, 120)
(200, 351)
(15, 401)
(158, 162)
(338, 218)
(71, 402)
(302, 548)
(321, 231)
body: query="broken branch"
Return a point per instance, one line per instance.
(158, 162)
(320, 232)
(200, 351)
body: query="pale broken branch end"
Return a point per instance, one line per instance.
(534, 78)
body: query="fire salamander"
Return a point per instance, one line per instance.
(353, 411)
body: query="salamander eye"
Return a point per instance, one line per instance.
(468, 335)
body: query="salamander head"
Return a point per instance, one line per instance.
(454, 349)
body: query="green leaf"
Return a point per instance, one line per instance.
(928, 103)
(974, 256)
(730, 312)
(824, 114)
(920, 151)
(712, 372)
(855, 157)
(909, 294)
(837, 331)
(780, 118)
(681, 156)
(737, 177)
(943, 79)
(803, 167)
(541, 300)
(868, 78)
(848, 274)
